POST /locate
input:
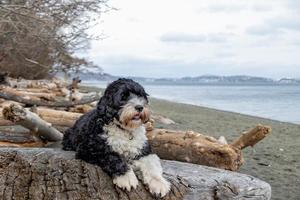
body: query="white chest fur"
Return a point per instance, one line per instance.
(126, 143)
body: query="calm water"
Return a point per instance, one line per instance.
(275, 102)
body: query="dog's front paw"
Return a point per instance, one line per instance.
(159, 186)
(126, 181)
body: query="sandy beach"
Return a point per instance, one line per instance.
(275, 160)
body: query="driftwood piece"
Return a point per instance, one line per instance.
(17, 136)
(57, 117)
(204, 150)
(48, 84)
(44, 173)
(12, 97)
(162, 119)
(251, 137)
(172, 145)
(81, 108)
(4, 122)
(194, 148)
(32, 121)
(33, 96)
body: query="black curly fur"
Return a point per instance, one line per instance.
(87, 136)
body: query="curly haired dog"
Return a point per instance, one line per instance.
(113, 137)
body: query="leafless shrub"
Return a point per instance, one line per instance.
(40, 36)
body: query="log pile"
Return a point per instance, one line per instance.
(33, 115)
(33, 105)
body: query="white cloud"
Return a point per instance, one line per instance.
(178, 38)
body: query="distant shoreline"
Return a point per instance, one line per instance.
(253, 100)
(225, 111)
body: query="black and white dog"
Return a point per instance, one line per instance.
(113, 137)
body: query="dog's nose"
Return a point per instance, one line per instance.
(139, 108)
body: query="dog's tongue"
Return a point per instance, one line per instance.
(136, 116)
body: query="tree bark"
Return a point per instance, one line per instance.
(44, 173)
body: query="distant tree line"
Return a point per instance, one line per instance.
(38, 37)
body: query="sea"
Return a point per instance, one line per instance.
(278, 102)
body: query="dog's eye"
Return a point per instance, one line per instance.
(124, 96)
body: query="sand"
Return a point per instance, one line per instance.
(275, 160)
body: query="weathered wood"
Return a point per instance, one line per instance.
(162, 119)
(182, 146)
(4, 122)
(194, 148)
(251, 137)
(32, 121)
(45, 173)
(81, 108)
(57, 117)
(48, 84)
(12, 97)
(33, 96)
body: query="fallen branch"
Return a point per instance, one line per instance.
(251, 137)
(12, 97)
(32, 121)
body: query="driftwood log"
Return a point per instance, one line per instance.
(32, 121)
(172, 145)
(48, 84)
(46, 173)
(30, 94)
(200, 149)
(32, 102)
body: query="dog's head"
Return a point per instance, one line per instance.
(125, 102)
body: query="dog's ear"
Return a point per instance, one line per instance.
(106, 110)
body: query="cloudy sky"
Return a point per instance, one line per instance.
(175, 38)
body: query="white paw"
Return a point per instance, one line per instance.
(126, 181)
(159, 186)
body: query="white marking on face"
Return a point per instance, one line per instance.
(135, 100)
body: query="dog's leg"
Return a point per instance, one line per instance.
(151, 169)
(126, 181)
(94, 150)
